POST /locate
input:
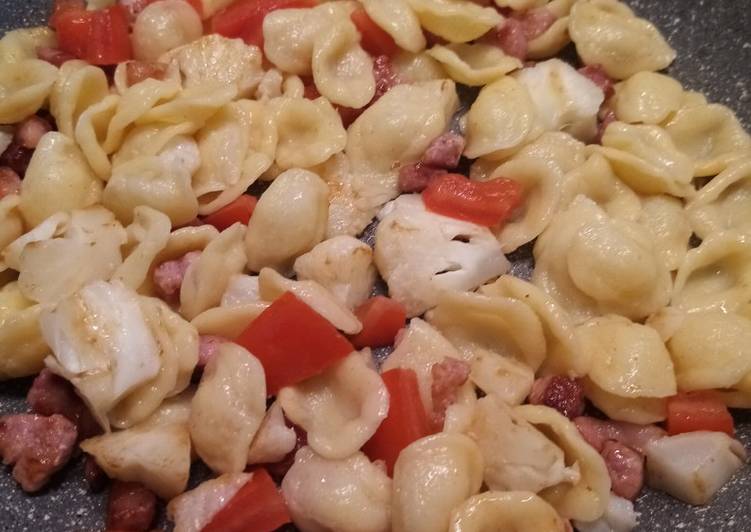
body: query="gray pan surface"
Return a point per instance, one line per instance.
(713, 39)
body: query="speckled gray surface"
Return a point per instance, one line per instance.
(713, 39)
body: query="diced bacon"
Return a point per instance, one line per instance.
(94, 475)
(130, 507)
(168, 276)
(207, 348)
(137, 71)
(535, 22)
(446, 379)
(445, 151)
(16, 157)
(36, 446)
(30, 131)
(605, 117)
(10, 182)
(599, 77)
(415, 177)
(54, 56)
(597, 431)
(625, 467)
(511, 37)
(51, 394)
(561, 393)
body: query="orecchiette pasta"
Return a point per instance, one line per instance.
(58, 179)
(397, 19)
(455, 20)
(628, 359)
(416, 68)
(162, 26)
(147, 236)
(647, 160)
(577, 265)
(724, 202)
(666, 219)
(640, 410)
(474, 64)
(587, 498)
(228, 321)
(216, 60)
(149, 181)
(199, 103)
(715, 274)
(340, 409)
(178, 352)
(647, 98)
(22, 347)
(606, 32)
(206, 279)
(522, 511)
(501, 119)
(421, 254)
(309, 131)
(78, 87)
(515, 454)
(564, 99)
(228, 408)
(237, 145)
(17, 45)
(418, 348)
(431, 477)
(710, 350)
(564, 355)
(347, 494)
(272, 285)
(289, 220)
(542, 184)
(54, 226)
(342, 70)
(343, 265)
(11, 223)
(24, 87)
(157, 457)
(710, 135)
(90, 133)
(556, 37)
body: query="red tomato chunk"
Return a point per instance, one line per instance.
(485, 203)
(381, 319)
(375, 40)
(293, 342)
(693, 411)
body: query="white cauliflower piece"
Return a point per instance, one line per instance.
(241, 290)
(343, 265)
(420, 254)
(565, 100)
(619, 517)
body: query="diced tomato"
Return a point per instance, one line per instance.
(375, 40)
(257, 506)
(689, 412)
(485, 203)
(239, 210)
(99, 37)
(293, 342)
(64, 6)
(381, 318)
(406, 421)
(244, 18)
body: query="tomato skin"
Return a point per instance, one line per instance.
(406, 422)
(60, 7)
(382, 318)
(239, 210)
(98, 37)
(375, 40)
(257, 506)
(487, 203)
(293, 342)
(244, 18)
(693, 411)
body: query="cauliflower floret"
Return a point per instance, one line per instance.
(217, 59)
(420, 253)
(343, 265)
(565, 100)
(619, 517)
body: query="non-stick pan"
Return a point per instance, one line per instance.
(713, 39)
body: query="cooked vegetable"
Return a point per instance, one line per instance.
(239, 210)
(99, 37)
(689, 412)
(382, 318)
(375, 41)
